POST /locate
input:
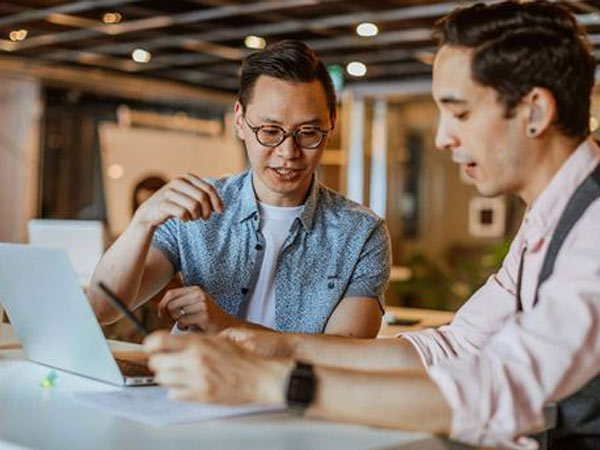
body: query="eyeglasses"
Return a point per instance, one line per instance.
(308, 138)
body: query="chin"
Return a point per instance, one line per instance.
(490, 191)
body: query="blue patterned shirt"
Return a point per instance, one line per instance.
(335, 249)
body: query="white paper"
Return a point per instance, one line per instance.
(150, 405)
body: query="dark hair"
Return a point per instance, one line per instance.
(287, 60)
(521, 46)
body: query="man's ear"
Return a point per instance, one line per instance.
(238, 111)
(540, 111)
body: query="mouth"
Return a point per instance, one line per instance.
(285, 173)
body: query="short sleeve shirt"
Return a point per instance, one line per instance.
(335, 249)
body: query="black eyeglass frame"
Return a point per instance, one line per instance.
(287, 134)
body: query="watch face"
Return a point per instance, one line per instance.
(301, 389)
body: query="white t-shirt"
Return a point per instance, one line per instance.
(275, 226)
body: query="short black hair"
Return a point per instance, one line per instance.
(287, 60)
(521, 46)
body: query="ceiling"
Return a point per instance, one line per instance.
(201, 42)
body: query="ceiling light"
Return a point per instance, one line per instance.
(356, 69)
(255, 42)
(367, 29)
(17, 35)
(112, 17)
(141, 56)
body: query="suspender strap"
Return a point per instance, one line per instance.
(520, 280)
(586, 193)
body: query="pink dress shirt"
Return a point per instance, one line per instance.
(496, 368)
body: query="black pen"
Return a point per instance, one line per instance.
(120, 306)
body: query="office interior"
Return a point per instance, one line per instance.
(102, 101)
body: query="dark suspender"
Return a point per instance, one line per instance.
(586, 193)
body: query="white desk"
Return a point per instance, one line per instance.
(38, 418)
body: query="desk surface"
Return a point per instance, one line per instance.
(38, 418)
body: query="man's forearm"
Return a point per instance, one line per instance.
(122, 268)
(381, 354)
(403, 400)
(407, 400)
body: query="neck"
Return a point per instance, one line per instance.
(549, 155)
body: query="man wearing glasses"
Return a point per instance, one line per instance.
(271, 247)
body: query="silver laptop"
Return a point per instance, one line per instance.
(52, 318)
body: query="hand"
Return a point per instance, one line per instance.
(193, 307)
(210, 369)
(262, 342)
(187, 197)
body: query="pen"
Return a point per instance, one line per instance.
(120, 306)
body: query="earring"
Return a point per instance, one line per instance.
(531, 132)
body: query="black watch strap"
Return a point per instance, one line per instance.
(301, 386)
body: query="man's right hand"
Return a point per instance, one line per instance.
(187, 197)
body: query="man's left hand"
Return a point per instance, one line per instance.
(193, 307)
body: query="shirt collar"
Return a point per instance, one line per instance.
(546, 210)
(249, 203)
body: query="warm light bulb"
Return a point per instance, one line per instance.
(367, 29)
(356, 69)
(255, 42)
(112, 17)
(141, 56)
(18, 35)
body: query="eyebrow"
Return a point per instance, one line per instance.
(452, 101)
(277, 122)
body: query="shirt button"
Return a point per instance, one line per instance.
(258, 247)
(331, 285)
(244, 291)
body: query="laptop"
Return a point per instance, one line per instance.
(83, 240)
(53, 319)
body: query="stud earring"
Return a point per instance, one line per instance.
(531, 132)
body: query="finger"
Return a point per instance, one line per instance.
(174, 210)
(170, 295)
(171, 379)
(162, 341)
(215, 199)
(185, 306)
(199, 320)
(190, 302)
(167, 362)
(195, 209)
(199, 194)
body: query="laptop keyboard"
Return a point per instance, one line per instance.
(133, 369)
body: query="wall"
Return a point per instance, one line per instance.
(443, 198)
(20, 111)
(142, 152)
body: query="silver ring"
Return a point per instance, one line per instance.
(181, 312)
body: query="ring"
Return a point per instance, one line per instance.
(181, 312)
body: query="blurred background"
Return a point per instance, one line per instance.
(102, 102)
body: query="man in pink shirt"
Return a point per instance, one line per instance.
(512, 83)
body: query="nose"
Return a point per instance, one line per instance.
(288, 149)
(445, 139)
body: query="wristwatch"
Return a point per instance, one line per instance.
(301, 386)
